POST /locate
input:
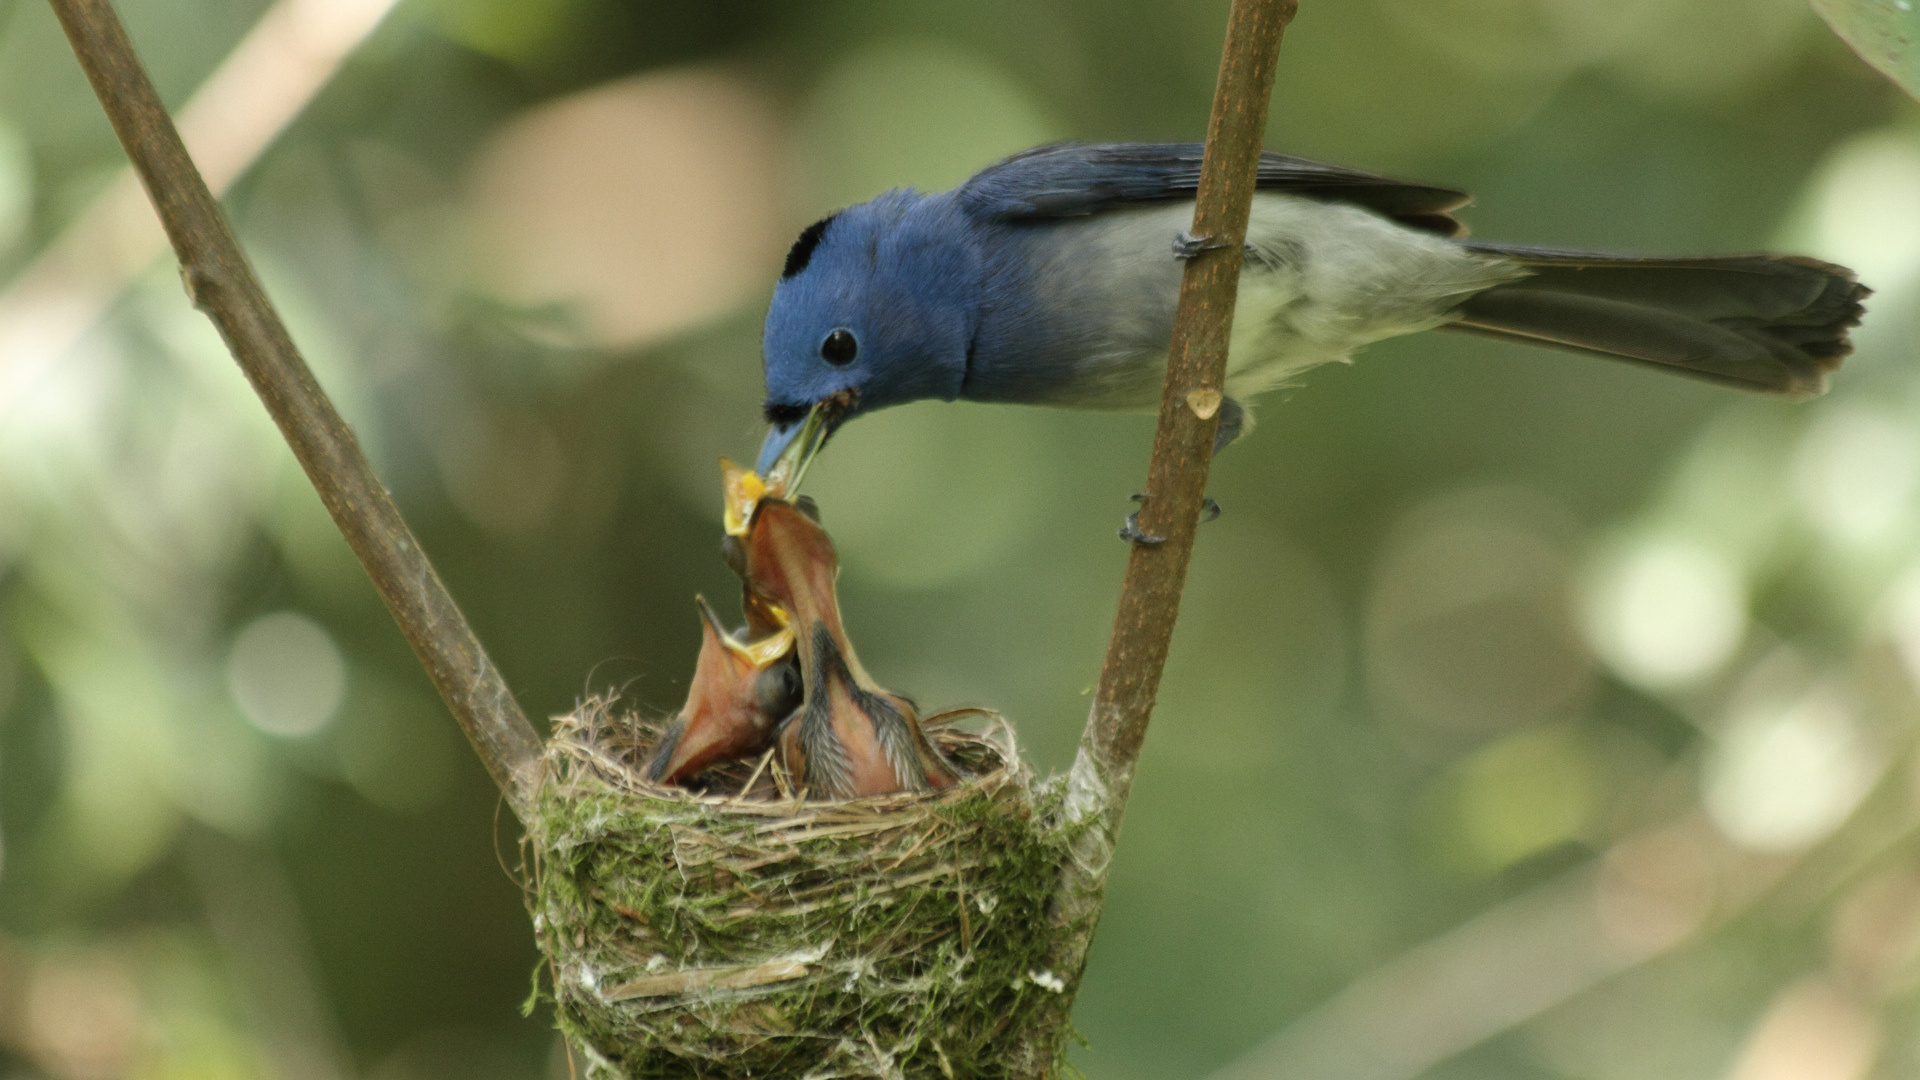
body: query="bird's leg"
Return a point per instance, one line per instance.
(1233, 421)
(1186, 245)
(1132, 531)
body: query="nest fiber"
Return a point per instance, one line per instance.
(721, 935)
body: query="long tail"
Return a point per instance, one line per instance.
(1773, 323)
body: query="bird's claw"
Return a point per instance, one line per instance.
(1132, 532)
(1186, 245)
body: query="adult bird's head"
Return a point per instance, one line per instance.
(875, 303)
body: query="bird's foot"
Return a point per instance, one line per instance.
(1209, 510)
(1186, 245)
(1131, 531)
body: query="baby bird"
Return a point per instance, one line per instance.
(739, 695)
(850, 738)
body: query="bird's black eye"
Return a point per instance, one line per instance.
(839, 349)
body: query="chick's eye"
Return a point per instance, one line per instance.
(839, 349)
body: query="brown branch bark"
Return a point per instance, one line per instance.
(1189, 416)
(222, 284)
(1102, 776)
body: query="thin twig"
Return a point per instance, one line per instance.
(1190, 402)
(222, 284)
(1103, 771)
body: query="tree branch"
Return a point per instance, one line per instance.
(222, 284)
(1102, 776)
(1190, 403)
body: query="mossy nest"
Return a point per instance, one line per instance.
(743, 932)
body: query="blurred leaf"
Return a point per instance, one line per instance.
(1882, 32)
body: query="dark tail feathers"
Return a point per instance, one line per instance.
(1774, 323)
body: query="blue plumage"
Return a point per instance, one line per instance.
(1051, 278)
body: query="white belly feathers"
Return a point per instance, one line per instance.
(1323, 279)
(1320, 280)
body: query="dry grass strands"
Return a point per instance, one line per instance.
(745, 932)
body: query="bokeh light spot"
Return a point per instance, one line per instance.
(1855, 474)
(1903, 622)
(83, 1018)
(1524, 794)
(1787, 773)
(1813, 1031)
(645, 206)
(1874, 939)
(1469, 628)
(1666, 613)
(1865, 209)
(286, 674)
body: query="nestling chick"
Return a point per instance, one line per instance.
(850, 738)
(739, 696)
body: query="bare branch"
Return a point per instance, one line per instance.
(1189, 406)
(222, 284)
(1176, 486)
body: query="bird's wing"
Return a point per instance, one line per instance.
(1075, 179)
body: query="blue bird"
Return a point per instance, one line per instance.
(1051, 278)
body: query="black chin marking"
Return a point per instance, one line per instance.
(780, 414)
(802, 250)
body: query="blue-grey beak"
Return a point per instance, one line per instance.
(779, 437)
(790, 448)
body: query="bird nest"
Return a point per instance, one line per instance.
(744, 931)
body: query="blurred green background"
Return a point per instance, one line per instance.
(1529, 716)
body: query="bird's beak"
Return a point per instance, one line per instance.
(779, 437)
(789, 449)
(753, 656)
(764, 618)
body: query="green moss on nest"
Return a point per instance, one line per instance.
(694, 935)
